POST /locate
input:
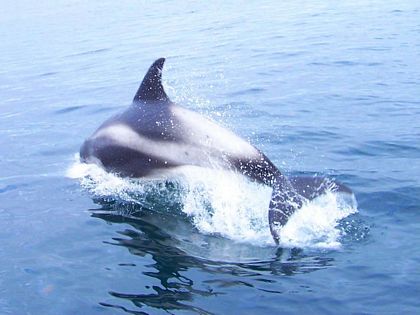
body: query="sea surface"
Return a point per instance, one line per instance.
(323, 88)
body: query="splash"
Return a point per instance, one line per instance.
(223, 203)
(315, 225)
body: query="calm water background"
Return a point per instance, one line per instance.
(321, 87)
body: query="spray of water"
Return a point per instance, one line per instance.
(223, 203)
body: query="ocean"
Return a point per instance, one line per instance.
(323, 88)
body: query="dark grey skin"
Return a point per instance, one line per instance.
(155, 135)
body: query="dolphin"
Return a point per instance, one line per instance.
(154, 135)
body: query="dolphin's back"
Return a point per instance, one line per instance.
(149, 137)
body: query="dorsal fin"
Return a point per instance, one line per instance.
(151, 88)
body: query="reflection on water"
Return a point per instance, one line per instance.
(163, 237)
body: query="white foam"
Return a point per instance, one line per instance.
(100, 183)
(316, 223)
(227, 204)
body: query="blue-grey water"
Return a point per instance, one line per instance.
(322, 87)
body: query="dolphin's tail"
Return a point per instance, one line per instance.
(290, 193)
(285, 200)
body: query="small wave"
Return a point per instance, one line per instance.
(222, 203)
